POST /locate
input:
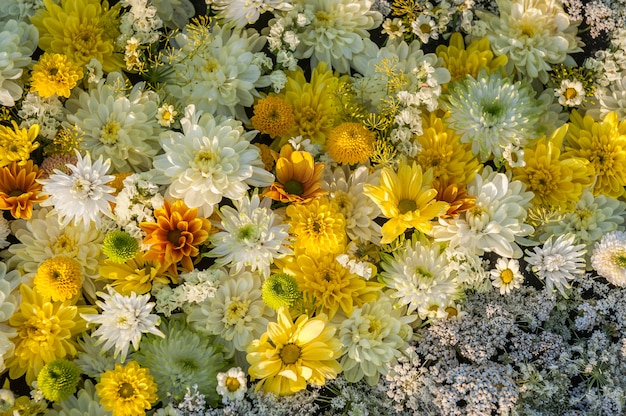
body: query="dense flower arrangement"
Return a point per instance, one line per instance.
(312, 207)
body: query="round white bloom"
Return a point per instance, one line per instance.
(18, 41)
(253, 236)
(245, 12)
(85, 402)
(609, 258)
(9, 281)
(232, 385)
(210, 160)
(216, 70)
(373, 337)
(124, 319)
(506, 275)
(337, 31)
(570, 93)
(495, 221)
(346, 190)
(419, 278)
(123, 128)
(533, 34)
(237, 313)
(609, 99)
(83, 195)
(557, 262)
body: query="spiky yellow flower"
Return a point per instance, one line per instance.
(462, 61)
(332, 286)
(55, 74)
(45, 331)
(290, 354)
(318, 226)
(450, 160)
(58, 278)
(407, 199)
(19, 189)
(298, 177)
(273, 116)
(81, 30)
(604, 145)
(557, 181)
(135, 275)
(127, 390)
(17, 144)
(350, 143)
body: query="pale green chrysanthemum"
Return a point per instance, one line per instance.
(58, 379)
(491, 111)
(119, 246)
(280, 290)
(181, 360)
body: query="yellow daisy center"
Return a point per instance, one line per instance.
(570, 93)
(452, 311)
(406, 205)
(58, 278)
(507, 276)
(350, 143)
(126, 390)
(273, 116)
(289, 354)
(232, 384)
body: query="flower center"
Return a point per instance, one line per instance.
(620, 259)
(247, 232)
(236, 311)
(289, 354)
(173, 236)
(570, 93)
(126, 390)
(507, 276)
(451, 311)
(407, 205)
(294, 187)
(109, 133)
(232, 384)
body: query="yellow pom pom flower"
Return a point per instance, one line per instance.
(17, 144)
(350, 143)
(127, 390)
(58, 278)
(319, 227)
(55, 74)
(273, 116)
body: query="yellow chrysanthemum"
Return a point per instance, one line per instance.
(407, 199)
(272, 116)
(17, 144)
(290, 354)
(136, 275)
(604, 145)
(557, 181)
(450, 160)
(331, 285)
(81, 30)
(127, 390)
(45, 331)
(461, 61)
(318, 227)
(55, 74)
(58, 278)
(315, 104)
(350, 143)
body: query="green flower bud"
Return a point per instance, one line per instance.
(119, 246)
(58, 380)
(280, 290)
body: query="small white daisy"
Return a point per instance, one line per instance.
(570, 93)
(83, 195)
(425, 28)
(232, 385)
(506, 275)
(609, 258)
(557, 262)
(123, 321)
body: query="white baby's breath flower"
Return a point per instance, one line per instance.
(609, 258)
(557, 262)
(124, 319)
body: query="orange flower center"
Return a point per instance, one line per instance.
(173, 236)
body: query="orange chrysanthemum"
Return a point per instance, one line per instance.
(299, 178)
(454, 195)
(175, 236)
(19, 189)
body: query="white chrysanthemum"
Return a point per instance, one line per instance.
(120, 126)
(124, 319)
(245, 12)
(85, 402)
(210, 160)
(346, 190)
(7, 347)
(589, 221)
(42, 238)
(237, 313)
(506, 275)
(216, 70)
(557, 262)
(491, 112)
(232, 385)
(82, 196)
(175, 14)
(418, 276)
(21, 10)
(533, 34)
(609, 99)
(373, 336)
(609, 258)
(253, 236)
(18, 41)
(337, 31)
(495, 221)
(402, 59)
(9, 281)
